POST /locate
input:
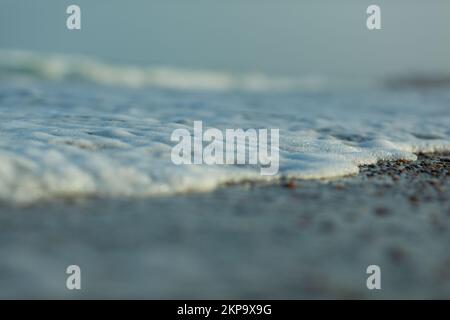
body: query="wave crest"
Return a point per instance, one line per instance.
(69, 68)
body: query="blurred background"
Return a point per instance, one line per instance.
(288, 37)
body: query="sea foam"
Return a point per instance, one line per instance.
(72, 139)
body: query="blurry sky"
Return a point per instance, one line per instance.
(288, 37)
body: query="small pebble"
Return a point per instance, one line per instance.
(291, 185)
(381, 212)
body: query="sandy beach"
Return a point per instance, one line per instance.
(224, 150)
(297, 239)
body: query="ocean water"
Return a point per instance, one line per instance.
(76, 127)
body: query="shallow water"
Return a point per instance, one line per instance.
(68, 134)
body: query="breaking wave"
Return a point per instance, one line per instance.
(21, 64)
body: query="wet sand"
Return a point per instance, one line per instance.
(299, 239)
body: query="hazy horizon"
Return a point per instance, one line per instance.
(287, 38)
